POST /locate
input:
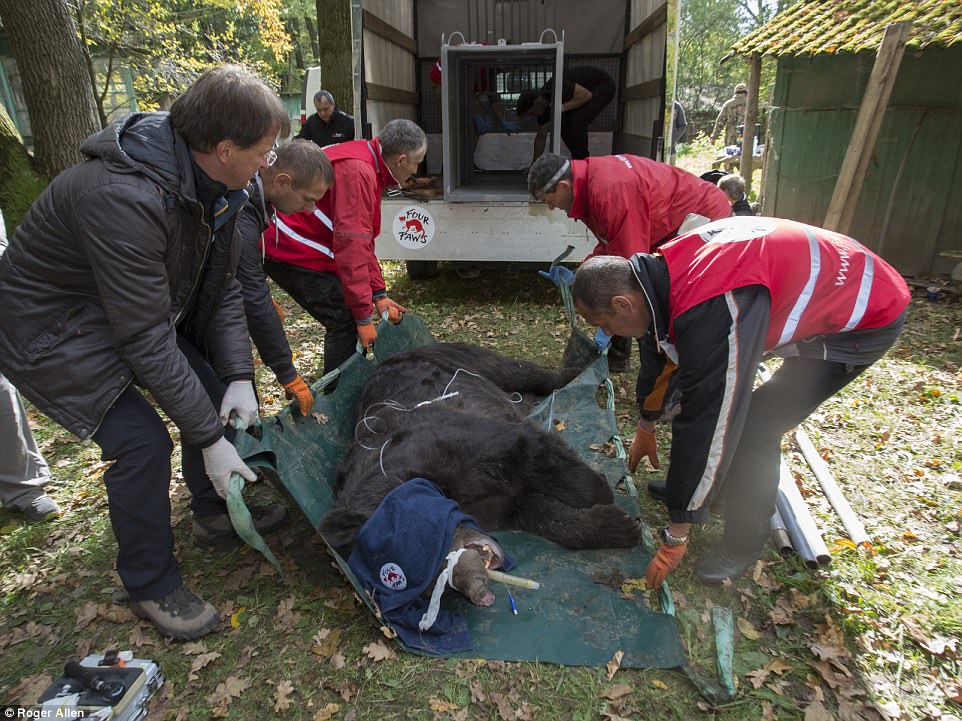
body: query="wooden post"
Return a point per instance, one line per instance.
(751, 114)
(841, 209)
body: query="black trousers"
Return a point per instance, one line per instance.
(574, 123)
(135, 438)
(321, 295)
(750, 487)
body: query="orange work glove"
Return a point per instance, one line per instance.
(298, 389)
(665, 561)
(280, 311)
(643, 446)
(366, 334)
(394, 310)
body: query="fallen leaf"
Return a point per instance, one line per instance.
(28, 690)
(440, 706)
(614, 664)
(284, 689)
(326, 642)
(225, 693)
(286, 616)
(559, 426)
(784, 612)
(633, 584)
(616, 691)
(85, 614)
(114, 613)
(659, 684)
(235, 617)
(768, 712)
(201, 662)
(327, 712)
(815, 711)
(747, 629)
(477, 692)
(378, 651)
(138, 639)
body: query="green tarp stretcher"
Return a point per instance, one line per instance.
(581, 615)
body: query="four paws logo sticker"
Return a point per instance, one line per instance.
(413, 227)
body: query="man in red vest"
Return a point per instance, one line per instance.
(631, 204)
(715, 302)
(325, 259)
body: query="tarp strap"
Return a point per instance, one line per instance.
(240, 518)
(724, 691)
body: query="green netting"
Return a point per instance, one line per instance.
(580, 615)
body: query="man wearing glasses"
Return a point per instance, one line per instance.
(122, 277)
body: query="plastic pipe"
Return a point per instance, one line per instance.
(850, 520)
(799, 523)
(780, 537)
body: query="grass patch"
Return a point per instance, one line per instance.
(870, 633)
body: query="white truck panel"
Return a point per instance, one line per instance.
(435, 230)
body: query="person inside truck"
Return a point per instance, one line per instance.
(712, 304)
(329, 125)
(585, 91)
(631, 204)
(325, 259)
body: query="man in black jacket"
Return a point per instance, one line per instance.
(122, 275)
(329, 125)
(299, 178)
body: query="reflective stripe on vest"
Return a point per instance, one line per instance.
(293, 235)
(801, 303)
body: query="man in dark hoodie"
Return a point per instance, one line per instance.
(121, 277)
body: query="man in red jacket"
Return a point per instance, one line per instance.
(325, 259)
(715, 302)
(631, 204)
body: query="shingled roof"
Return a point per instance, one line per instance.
(812, 27)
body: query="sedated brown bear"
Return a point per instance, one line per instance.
(452, 413)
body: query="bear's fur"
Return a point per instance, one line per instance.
(474, 444)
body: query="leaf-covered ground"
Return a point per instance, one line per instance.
(871, 637)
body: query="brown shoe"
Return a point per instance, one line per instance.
(181, 614)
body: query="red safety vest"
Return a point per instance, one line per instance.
(305, 239)
(821, 282)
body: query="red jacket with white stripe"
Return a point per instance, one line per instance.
(726, 294)
(338, 237)
(632, 204)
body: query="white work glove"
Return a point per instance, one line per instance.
(240, 405)
(220, 460)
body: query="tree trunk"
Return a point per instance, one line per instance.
(19, 184)
(311, 26)
(55, 82)
(336, 51)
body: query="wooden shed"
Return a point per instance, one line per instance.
(910, 206)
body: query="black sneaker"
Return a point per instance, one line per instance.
(181, 614)
(723, 563)
(217, 529)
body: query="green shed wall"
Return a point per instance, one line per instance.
(910, 207)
